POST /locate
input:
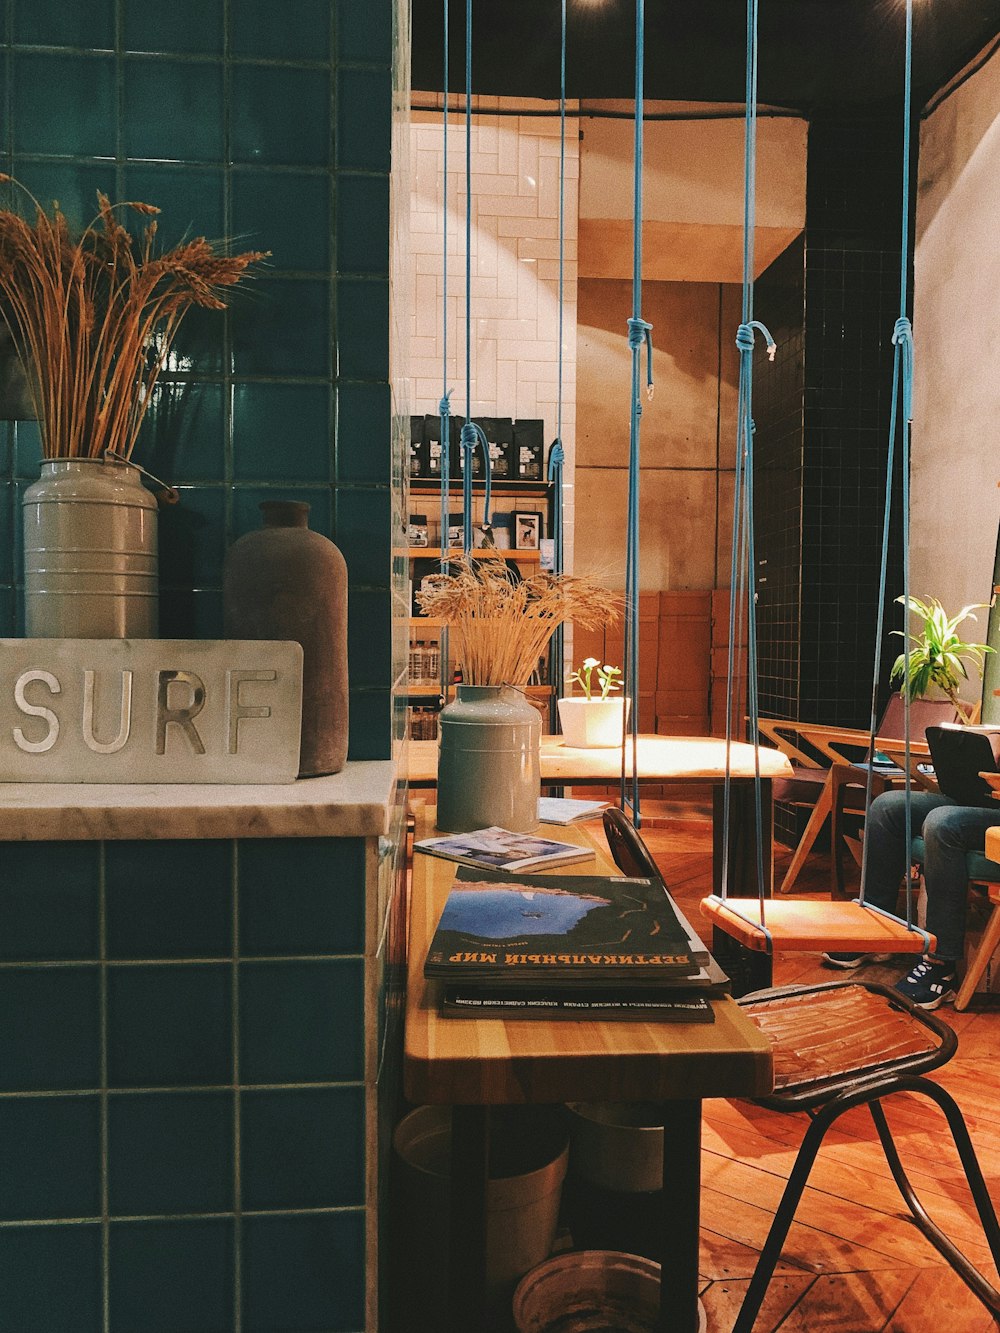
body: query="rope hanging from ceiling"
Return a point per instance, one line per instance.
(557, 453)
(639, 336)
(796, 925)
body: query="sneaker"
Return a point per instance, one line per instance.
(930, 983)
(850, 960)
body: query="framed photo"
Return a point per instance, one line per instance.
(527, 529)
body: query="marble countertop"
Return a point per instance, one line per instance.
(354, 803)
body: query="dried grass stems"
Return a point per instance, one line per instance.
(502, 624)
(94, 318)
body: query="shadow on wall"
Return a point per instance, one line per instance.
(15, 401)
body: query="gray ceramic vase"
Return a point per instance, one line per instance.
(90, 557)
(287, 582)
(489, 768)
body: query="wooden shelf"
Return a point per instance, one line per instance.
(536, 490)
(434, 691)
(456, 553)
(426, 622)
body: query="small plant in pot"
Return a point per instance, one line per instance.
(937, 656)
(594, 720)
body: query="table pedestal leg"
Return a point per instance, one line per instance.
(681, 1217)
(470, 1165)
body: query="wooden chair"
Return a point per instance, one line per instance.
(844, 1044)
(824, 772)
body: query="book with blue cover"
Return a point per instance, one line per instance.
(555, 931)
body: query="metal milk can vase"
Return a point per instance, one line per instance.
(287, 582)
(488, 767)
(90, 557)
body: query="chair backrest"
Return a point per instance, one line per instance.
(924, 713)
(631, 855)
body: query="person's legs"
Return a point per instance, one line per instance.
(887, 854)
(948, 835)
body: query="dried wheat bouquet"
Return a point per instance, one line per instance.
(94, 317)
(503, 623)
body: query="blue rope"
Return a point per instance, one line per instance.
(639, 333)
(557, 656)
(902, 405)
(444, 406)
(742, 575)
(470, 431)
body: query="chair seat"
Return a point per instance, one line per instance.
(805, 784)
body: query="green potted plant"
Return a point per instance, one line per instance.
(594, 720)
(937, 656)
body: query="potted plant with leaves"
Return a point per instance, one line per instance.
(936, 656)
(595, 719)
(94, 317)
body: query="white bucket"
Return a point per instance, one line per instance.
(529, 1149)
(617, 1146)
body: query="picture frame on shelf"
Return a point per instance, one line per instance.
(527, 529)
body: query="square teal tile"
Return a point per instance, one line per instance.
(27, 450)
(73, 184)
(280, 115)
(364, 119)
(9, 518)
(283, 330)
(183, 438)
(362, 224)
(281, 431)
(303, 1148)
(362, 534)
(172, 1277)
(182, 27)
(369, 636)
(363, 417)
(170, 1153)
(286, 212)
(169, 899)
(50, 1157)
(301, 896)
(64, 105)
(371, 724)
(363, 329)
(187, 614)
(302, 34)
(173, 110)
(49, 900)
(302, 1022)
(169, 1026)
(364, 32)
(8, 613)
(304, 1273)
(193, 538)
(191, 199)
(200, 348)
(65, 23)
(51, 1279)
(49, 1029)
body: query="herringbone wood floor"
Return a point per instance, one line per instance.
(853, 1261)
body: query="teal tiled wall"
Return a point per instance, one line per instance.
(184, 1081)
(182, 1086)
(271, 123)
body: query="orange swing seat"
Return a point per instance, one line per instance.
(779, 925)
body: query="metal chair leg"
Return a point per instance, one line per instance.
(971, 1276)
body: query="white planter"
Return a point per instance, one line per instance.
(592, 724)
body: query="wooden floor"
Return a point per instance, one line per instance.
(853, 1261)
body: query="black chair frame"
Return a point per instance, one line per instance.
(827, 1100)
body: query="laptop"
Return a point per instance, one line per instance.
(959, 755)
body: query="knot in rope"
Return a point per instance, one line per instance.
(640, 332)
(469, 436)
(444, 406)
(557, 456)
(745, 338)
(902, 332)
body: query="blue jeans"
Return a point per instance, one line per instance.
(949, 831)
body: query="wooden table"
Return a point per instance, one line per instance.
(663, 759)
(472, 1064)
